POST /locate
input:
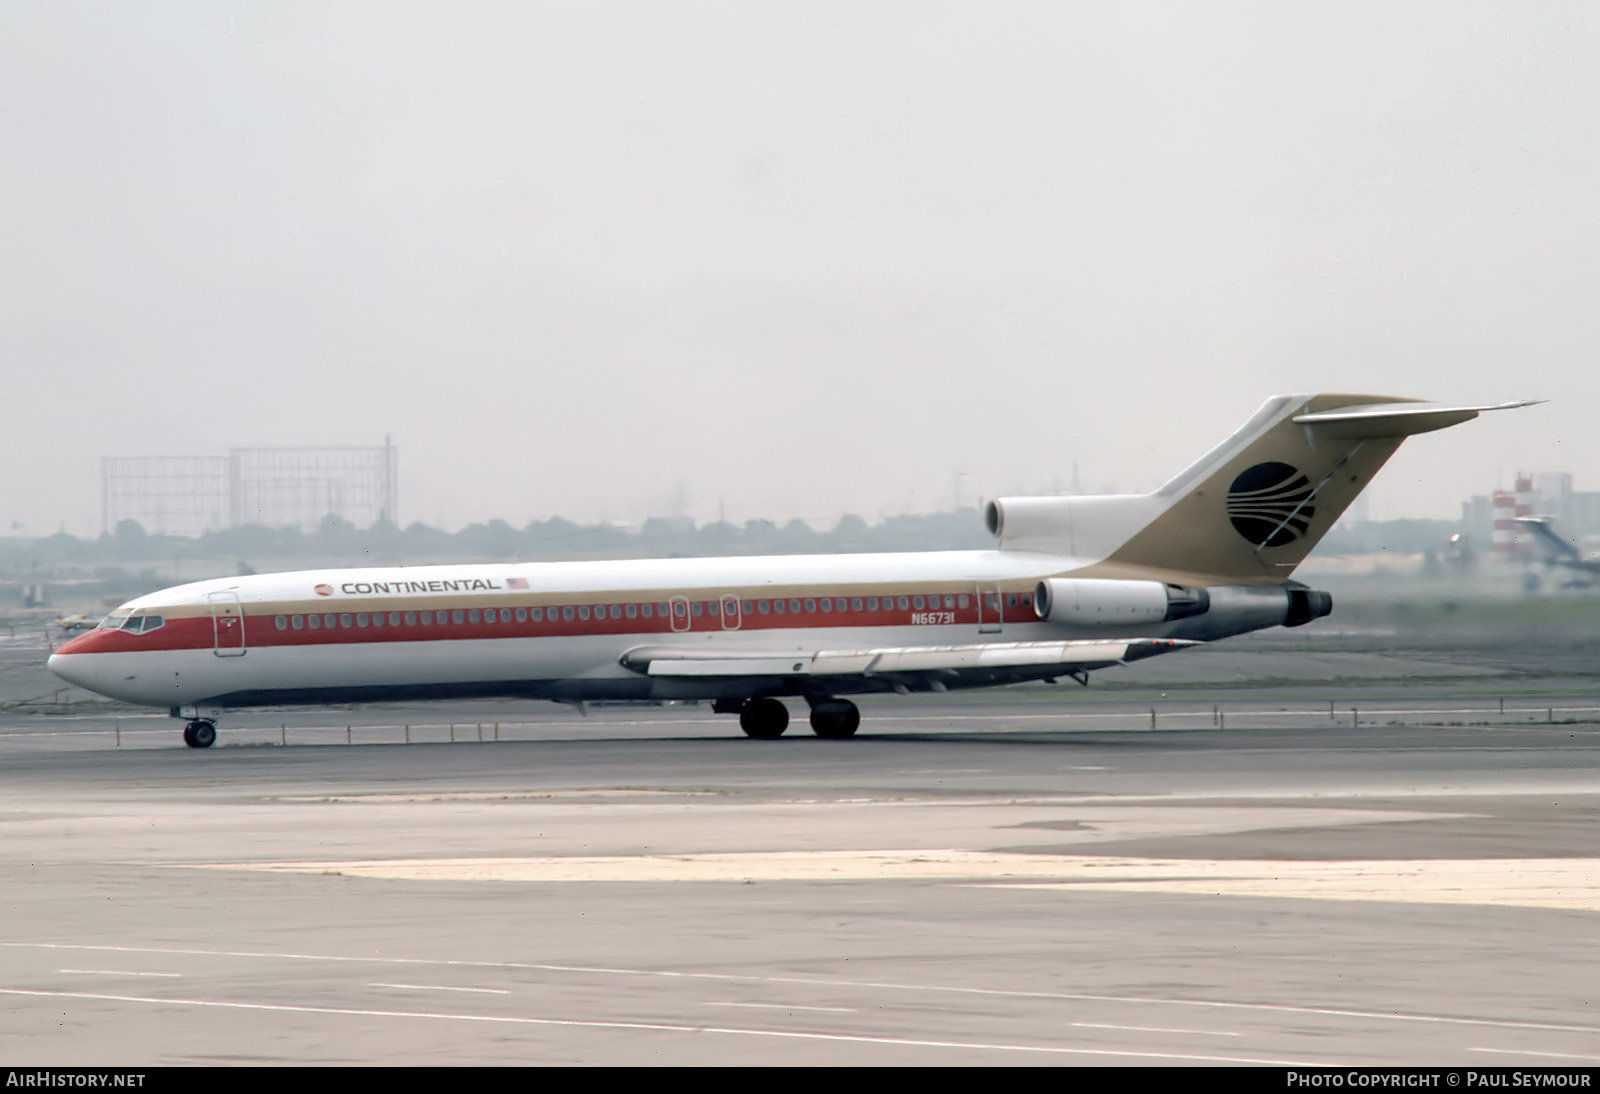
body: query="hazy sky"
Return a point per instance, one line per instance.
(805, 258)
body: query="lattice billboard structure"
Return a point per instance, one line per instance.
(271, 487)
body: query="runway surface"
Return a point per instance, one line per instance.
(1410, 875)
(653, 890)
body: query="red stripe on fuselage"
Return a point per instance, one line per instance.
(262, 630)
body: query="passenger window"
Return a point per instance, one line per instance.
(472, 615)
(411, 619)
(811, 606)
(361, 619)
(855, 604)
(916, 602)
(646, 610)
(779, 607)
(961, 601)
(314, 621)
(632, 611)
(1027, 598)
(566, 612)
(713, 607)
(283, 622)
(427, 618)
(377, 619)
(616, 611)
(950, 602)
(536, 614)
(1011, 600)
(459, 616)
(331, 621)
(827, 605)
(583, 611)
(347, 620)
(678, 609)
(505, 615)
(394, 619)
(794, 606)
(872, 603)
(299, 622)
(697, 608)
(904, 603)
(522, 615)
(761, 606)
(747, 606)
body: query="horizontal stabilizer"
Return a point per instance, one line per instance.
(1397, 419)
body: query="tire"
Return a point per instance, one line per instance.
(835, 719)
(764, 719)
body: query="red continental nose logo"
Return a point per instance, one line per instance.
(324, 590)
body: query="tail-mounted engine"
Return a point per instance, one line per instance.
(1095, 602)
(1209, 613)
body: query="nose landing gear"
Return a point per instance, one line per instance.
(200, 733)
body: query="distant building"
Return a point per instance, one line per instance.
(1489, 518)
(272, 487)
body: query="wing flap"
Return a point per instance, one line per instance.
(669, 662)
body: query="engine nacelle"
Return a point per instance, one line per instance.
(1238, 609)
(1096, 602)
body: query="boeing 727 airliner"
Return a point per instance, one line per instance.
(1074, 584)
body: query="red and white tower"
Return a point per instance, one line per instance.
(1510, 541)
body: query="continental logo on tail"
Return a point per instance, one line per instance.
(1266, 504)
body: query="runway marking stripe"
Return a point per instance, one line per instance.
(787, 1006)
(1536, 883)
(440, 987)
(1155, 1029)
(1530, 1052)
(118, 972)
(1012, 993)
(663, 1027)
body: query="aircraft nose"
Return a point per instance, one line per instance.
(73, 668)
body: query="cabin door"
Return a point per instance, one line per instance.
(227, 624)
(679, 606)
(991, 614)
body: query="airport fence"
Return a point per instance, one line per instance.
(145, 731)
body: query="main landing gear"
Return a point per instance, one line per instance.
(766, 719)
(200, 733)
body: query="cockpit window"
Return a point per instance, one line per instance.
(147, 623)
(114, 621)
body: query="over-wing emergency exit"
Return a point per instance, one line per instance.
(1073, 585)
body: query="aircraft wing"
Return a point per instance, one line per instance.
(927, 666)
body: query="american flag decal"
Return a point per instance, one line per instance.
(516, 583)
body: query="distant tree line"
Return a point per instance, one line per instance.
(128, 561)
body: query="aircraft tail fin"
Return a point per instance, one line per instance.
(1247, 512)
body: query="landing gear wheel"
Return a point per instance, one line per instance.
(835, 719)
(200, 734)
(764, 719)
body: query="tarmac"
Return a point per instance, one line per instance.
(1306, 861)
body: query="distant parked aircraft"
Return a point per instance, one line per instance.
(1558, 550)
